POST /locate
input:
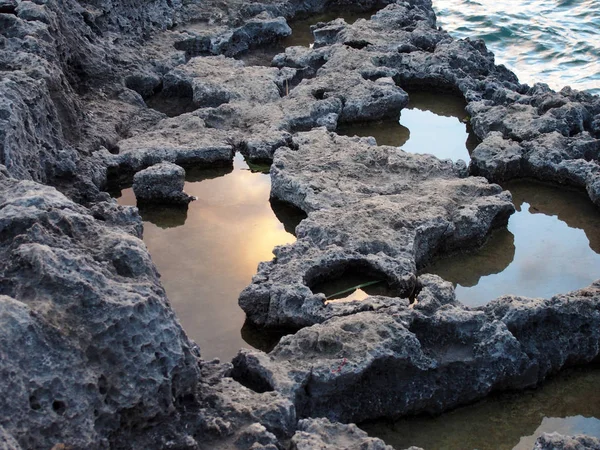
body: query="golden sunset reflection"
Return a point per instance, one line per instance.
(206, 262)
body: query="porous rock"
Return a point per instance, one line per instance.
(325, 435)
(427, 358)
(161, 183)
(376, 209)
(89, 344)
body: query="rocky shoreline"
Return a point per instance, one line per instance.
(91, 353)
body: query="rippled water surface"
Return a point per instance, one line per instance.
(551, 246)
(551, 41)
(568, 404)
(208, 253)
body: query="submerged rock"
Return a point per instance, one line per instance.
(161, 183)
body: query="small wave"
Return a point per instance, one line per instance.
(552, 41)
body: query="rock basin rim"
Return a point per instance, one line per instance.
(79, 287)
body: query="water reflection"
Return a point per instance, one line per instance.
(431, 123)
(552, 246)
(353, 284)
(568, 404)
(207, 261)
(301, 36)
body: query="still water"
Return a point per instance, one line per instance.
(208, 253)
(301, 36)
(552, 41)
(431, 123)
(551, 246)
(568, 404)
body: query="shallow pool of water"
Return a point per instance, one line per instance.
(568, 404)
(551, 246)
(208, 253)
(301, 36)
(353, 285)
(432, 123)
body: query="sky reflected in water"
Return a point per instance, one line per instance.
(208, 255)
(431, 123)
(551, 246)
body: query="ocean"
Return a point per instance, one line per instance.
(550, 41)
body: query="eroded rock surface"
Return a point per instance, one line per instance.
(161, 183)
(376, 209)
(92, 354)
(89, 343)
(325, 435)
(430, 357)
(555, 441)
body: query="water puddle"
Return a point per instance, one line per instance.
(301, 36)
(208, 253)
(551, 246)
(353, 283)
(432, 123)
(568, 404)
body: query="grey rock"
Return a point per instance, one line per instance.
(326, 435)
(161, 183)
(184, 141)
(555, 441)
(376, 209)
(84, 294)
(425, 360)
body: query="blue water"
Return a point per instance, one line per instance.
(551, 41)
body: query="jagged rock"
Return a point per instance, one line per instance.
(325, 435)
(178, 141)
(89, 343)
(376, 209)
(216, 80)
(161, 183)
(555, 441)
(425, 359)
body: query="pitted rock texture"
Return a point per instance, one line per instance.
(183, 141)
(376, 209)
(428, 358)
(161, 183)
(325, 435)
(555, 441)
(527, 131)
(89, 342)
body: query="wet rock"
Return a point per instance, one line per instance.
(81, 291)
(374, 209)
(325, 435)
(555, 441)
(425, 359)
(161, 183)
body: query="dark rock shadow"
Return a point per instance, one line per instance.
(289, 215)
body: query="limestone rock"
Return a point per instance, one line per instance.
(161, 183)
(325, 435)
(555, 441)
